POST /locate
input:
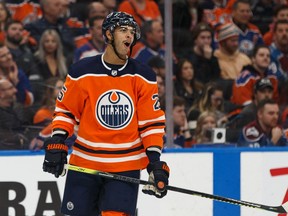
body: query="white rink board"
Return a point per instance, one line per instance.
(191, 171)
(258, 185)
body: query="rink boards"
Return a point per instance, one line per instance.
(254, 175)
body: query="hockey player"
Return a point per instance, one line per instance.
(114, 101)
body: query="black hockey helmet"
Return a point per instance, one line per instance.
(116, 19)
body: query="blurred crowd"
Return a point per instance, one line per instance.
(230, 65)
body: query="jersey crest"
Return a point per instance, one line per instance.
(114, 109)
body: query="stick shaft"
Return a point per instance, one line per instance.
(277, 209)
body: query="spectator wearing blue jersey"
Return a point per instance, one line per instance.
(152, 42)
(242, 93)
(279, 47)
(96, 44)
(249, 34)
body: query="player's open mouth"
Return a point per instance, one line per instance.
(127, 44)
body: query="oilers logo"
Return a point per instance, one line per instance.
(114, 109)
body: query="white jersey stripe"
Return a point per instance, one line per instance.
(152, 120)
(109, 145)
(109, 160)
(61, 118)
(155, 131)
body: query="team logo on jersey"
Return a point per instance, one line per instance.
(114, 109)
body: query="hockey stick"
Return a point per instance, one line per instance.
(278, 209)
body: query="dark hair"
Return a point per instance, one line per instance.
(147, 27)
(279, 8)
(92, 19)
(257, 48)
(156, 62)
(177, 101)
(263, 102)
(178, 72)
(10, 22)
(235, 5)
(278, 22)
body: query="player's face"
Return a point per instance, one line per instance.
(179, 115)
(269, 115)
(50, 44)
(262, 58)
(123, 38)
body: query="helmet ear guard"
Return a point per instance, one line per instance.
(117, 19)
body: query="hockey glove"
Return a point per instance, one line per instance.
(158, 176)
(55, 155)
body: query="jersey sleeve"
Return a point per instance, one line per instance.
(151, 119)
(69, 105)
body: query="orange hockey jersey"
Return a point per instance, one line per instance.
(118, 113)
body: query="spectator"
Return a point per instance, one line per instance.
(264, 132)
(111, 5)
(141, 10)
(210, 100)
(249, 35)
(205, 64)
(182, 136)
(92, 9)
(5, 16)
(161, 86)
(96, 44)
(185, 84)
(243, 85)
(10, 70)
(16, 43)
(50, 61)
(11, 131)
(206, 122)
(230, 59)
(157, 64)
(152, 43)
(280, 12)
(96, 9)
(50, 58)
(43, 116)
(51, 19)
(279, 47)
(262, 89)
